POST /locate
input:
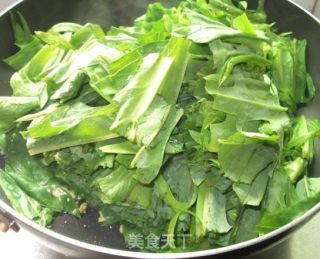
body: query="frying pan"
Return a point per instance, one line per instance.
(85, 238)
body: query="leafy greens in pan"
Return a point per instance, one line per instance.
(183, 124)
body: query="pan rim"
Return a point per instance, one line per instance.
(197, 254)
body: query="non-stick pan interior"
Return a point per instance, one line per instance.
(42, 14)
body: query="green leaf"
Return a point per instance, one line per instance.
(125, 147)
(153, 70)
(23, 203)
(23, 86)
(289, 71)
(88, 55)
(243, 24)
(65, 27)
(148, 161)
(141, 99)
(221, 131)
(242, 158)
(11, 108)
(107, 82)
(204, 30)
(151, 122)
(141, 195)
(228, 67)
(116, 186)
(142, 111)
(93, 128)
(303, 131)
(55, 38)
(223, 51)
(87, 32)
(163, 188)
(210, 211)
(254, 193)
(280, 192)
(249, 100)
(21, 30)
(21, 58)
(171, 230)
(272, 221)
(226, 6)
(177, 48)
(37, 180)
(176, 171)
(2, 142)
(46, 60)
(62, 119)
(246, 227)
(71, 87)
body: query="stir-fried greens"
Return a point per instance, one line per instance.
(184, 124)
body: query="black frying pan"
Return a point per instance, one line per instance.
(85, 238)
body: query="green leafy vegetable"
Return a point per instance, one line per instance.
(11, 108)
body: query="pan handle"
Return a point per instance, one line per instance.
(6, 224)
